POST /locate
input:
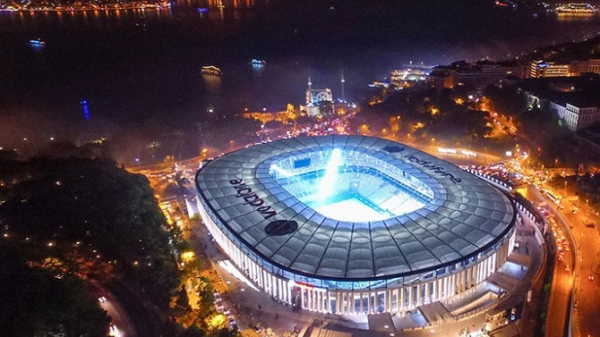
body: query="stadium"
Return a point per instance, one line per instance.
(354, 224)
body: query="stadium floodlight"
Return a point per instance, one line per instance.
(327, 183)
(280, 171)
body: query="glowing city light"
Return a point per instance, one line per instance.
(327, 183)
(280, 171)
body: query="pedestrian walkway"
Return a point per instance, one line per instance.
(318, 332)
(436, 313)
(520, 259)
(503, 281)
(415, 320)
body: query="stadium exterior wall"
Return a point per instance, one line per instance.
(394, 295)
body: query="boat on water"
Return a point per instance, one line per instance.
(257, 62)
(211, 71)
(576, 9)
(506, 3)
(37, 43)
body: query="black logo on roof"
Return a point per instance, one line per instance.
(281, 227)
(393, 148)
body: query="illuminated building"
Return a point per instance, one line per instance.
(549, 69)
(580, 117)
(580, 67)
(319, 102)
(353, 224)
(575, 100)
(474, 75)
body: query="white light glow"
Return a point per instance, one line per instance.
(280, 171)
(351, 210)
(236, 273)
(351, 194)
(327, 183)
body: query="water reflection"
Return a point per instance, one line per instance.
(575, 17)
(212, 84)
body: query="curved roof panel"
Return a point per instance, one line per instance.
(464, 217)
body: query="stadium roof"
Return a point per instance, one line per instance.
(465, 217)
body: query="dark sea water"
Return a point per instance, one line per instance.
(135, 66)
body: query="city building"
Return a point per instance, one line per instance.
(575, 100)
(476, 75)
(541, 69)
(268, 116)
(580, 67)
(355, 225)
(319, 102)
(580, 117)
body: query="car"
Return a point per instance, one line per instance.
(114, 331)
(591, 277)
(101, 299)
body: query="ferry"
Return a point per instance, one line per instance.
(506, 3)
(257, 62)
(37, 43)
(576, 9)
(211, 71)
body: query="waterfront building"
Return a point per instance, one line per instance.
(319, 102)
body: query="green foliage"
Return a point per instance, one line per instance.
(205, 290)
(505, 100)
(101, 205)
(452, 121)
(547, 288)
(192, 331)
(34, 302)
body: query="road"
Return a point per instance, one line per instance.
(110, 303)
(586, 317)
(562, 282)
(585, 278)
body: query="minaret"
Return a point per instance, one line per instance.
(343, 81)
(309, 97)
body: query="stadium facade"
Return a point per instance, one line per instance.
(354, 224)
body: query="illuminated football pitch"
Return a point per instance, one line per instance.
(352, 210)
(347, 192)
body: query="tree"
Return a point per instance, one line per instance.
(111, 212)
(34, 302)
